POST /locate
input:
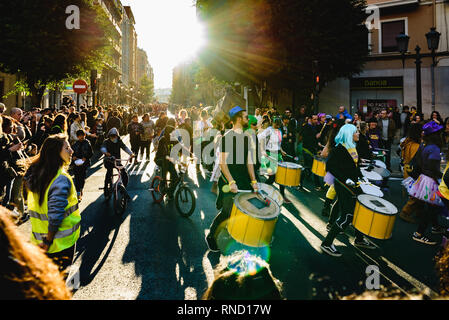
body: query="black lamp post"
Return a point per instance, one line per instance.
(433, 41)
(402, 40)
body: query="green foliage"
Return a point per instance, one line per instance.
(146, 90)
(276, 41)
(36, 43)
(194, 84)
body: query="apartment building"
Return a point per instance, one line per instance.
(388, 82)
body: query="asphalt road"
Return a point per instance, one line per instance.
(154, 253)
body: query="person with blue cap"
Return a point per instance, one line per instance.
(237, 161)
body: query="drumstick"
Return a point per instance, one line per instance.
(226, 189)
(323, 128)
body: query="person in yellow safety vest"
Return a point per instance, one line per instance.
(53, 202)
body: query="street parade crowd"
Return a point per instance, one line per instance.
(45, 155)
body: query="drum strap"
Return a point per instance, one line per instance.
(346, 187)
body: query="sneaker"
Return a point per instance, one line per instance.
(422, 239)
(318, 188)
(287, 201)
(438, 230)
(364, 243)
(331, 250)
(212, 244)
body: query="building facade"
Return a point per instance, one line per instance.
(387, 81)
(143, 66)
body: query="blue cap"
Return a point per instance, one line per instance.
(235, 110)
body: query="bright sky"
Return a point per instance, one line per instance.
(168, 31)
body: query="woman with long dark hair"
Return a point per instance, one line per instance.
(53, 202)
(59, 124)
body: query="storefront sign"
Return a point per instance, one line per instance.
(376, 83)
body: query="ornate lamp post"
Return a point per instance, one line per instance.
(433, 41)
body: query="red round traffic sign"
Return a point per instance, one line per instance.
(80, 86)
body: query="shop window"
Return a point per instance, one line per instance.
(390, 30)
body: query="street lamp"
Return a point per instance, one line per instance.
(402, 41)
(433, 41)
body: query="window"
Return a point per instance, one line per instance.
(390, 30)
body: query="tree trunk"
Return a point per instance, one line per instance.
(36, 95)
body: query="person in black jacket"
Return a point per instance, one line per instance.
(310, 148)
(363, 146)
(343, 164)
(135, 130)
(82, 150)
(111, 149)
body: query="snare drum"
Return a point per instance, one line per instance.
(319, 166)
(288, 174)
(252, 221)
(272, 193)
(374, 216)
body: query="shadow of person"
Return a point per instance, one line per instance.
(96, 236)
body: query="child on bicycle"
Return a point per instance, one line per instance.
(163, 151)
(82, 152)
(111, 149)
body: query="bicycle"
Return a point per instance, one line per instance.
(183, 193)
(119, 193)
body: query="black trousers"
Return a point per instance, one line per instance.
(167, 167)
(308, 163)
(429, 215)
(270, 181)
(109, 174)
(145, 146)
(80, 176)
(63, 259)
(223, 215)
(346, 202)
(135, 146)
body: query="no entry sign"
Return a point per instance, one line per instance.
(80, 86)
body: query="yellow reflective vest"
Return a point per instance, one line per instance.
(69, 230)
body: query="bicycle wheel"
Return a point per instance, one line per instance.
(185, 201)
(120, 201)
(158, 189)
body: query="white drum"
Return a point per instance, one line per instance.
(371, 175)
(371, 189)
(380, 164)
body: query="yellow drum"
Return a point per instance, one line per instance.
(288, 174)
(272, 193)
(374, 216)
(252, 221)
(319, 166)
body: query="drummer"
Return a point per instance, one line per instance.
(343, 165)
(237, 171)
(270, 145)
